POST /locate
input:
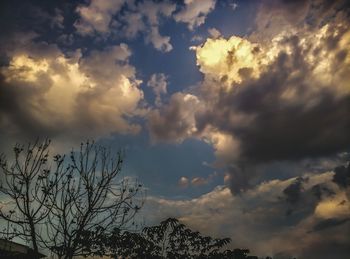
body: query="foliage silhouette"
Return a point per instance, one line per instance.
(169, 239)
(177, 241)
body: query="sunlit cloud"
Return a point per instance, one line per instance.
(266, 99)
(195, 12)
(259, 215)
(254, 93)
(70, 95)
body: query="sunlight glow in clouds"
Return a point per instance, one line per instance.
(333, 207)
(232, 61)
(266, 97)
(100, 87)
(228, 60)
(251, 89)
(24, 68)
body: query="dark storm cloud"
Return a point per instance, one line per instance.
(16, 108)
(274, 15)
(329, 223)
(323, 249)
(172, 117)
(175, 121)
(307, 126)
(320, 191)
(301, 200)
(294, 190)
(291, 133)
(288, 113)
(342, 176)
(279, 130)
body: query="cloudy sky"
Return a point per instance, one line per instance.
(234, 114)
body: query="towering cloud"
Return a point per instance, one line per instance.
(48, 93)
(283, 100)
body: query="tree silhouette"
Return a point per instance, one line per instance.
(54, 206)
(178, 241)
(169, 239)
(27, 184)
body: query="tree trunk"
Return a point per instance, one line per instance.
(34, 243)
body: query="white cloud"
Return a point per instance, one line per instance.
(197, 38)
(223, 59)
(152, 11)
(103, 17)
(73, 96)
(214, 33)
(243, 80)
(144, 17)
(197, 180)
(134, 24)
(158, 41)
(195, 12)
(226, 146)
(178, 116)
(97, 16)
(158, 82)
(183, 182)
(257, 218)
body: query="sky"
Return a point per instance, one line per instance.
(234, 114)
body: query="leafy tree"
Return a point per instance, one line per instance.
(131, 245)
(177, 241)
(170, 239)
(54, 206)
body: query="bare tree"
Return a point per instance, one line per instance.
(25, 186)
(90, 198)
(54, 208)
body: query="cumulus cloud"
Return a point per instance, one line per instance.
(228, 60)
(274, 16)
(197, 38)
(153, 12)
(267, 101)
(174, 121)
(257, 219)
(283, 100)
(97, 16)
(214, 33)
(195, 12)
(48, 93)
(105, 18)
(199, 181)
(158, 83)
(196, 181)
(134, 24)
(184, 182)
(158, 41)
